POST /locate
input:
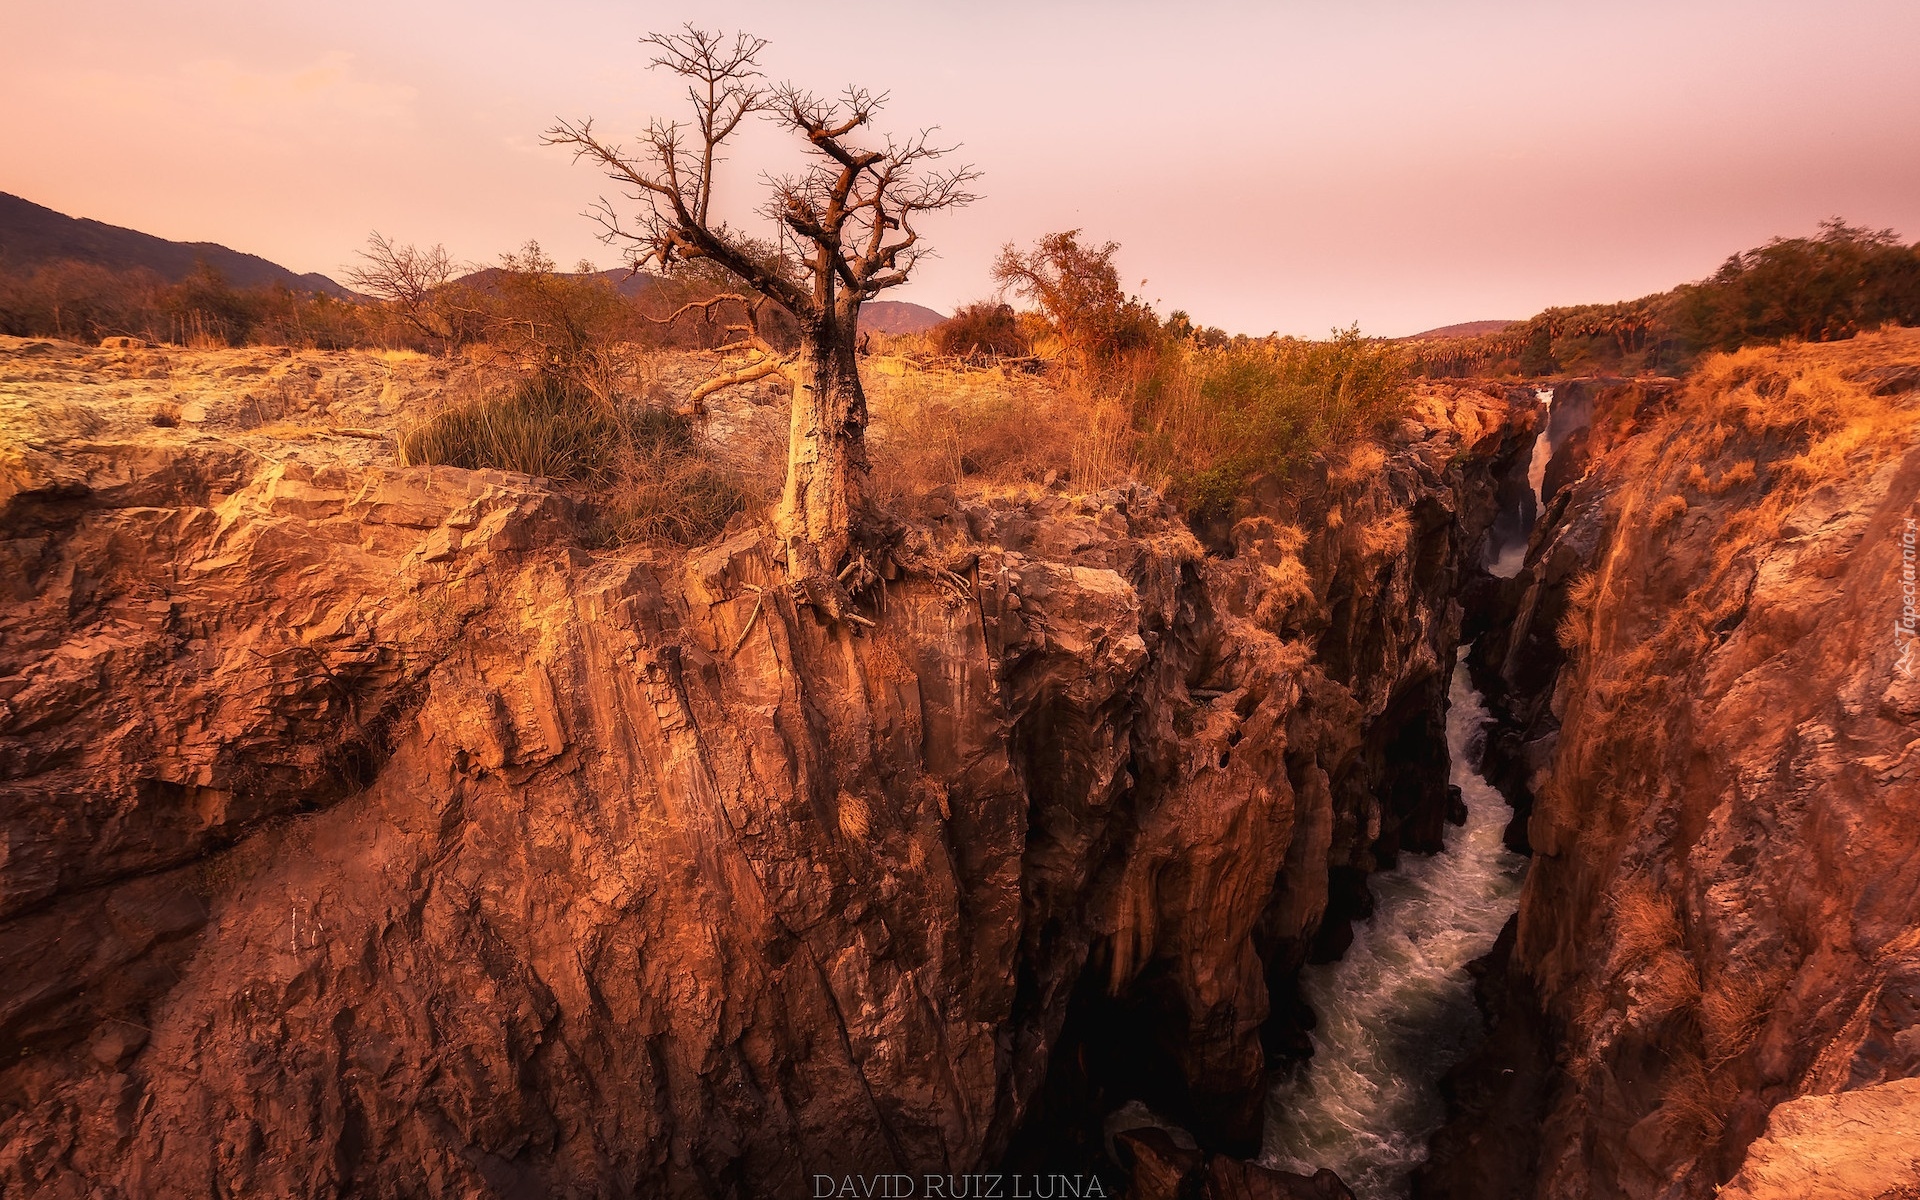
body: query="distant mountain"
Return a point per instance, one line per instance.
(1463, 330)
(897, 316)
(31, 234)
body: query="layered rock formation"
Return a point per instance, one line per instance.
(366, 834)
(1710, 701)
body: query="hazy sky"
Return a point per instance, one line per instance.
(1288, 166)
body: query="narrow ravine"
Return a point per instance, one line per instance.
(1398, 1009)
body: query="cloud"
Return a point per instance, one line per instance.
(325, 95)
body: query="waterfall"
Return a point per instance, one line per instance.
(1542, 451)
(1514, 554)
(1397, 1011)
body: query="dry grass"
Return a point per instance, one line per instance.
(1694, 1101)
(1737, 475)
(1645, 922)
(651, 477)
(1671, 508)
(1733, 1011)
(1358, 465)
(1384, 536)
(856, 819)
(936, 427)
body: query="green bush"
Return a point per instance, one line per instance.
(1210, 420)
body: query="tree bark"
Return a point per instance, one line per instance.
(825, 502)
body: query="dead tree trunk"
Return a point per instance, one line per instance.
(826, 453)
(825, 506)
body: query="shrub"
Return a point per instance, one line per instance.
(981, 330)
(1209, 421)
(1817, 289)
(1078, 288)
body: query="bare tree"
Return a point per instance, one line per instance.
(412, 280)
(849, 215)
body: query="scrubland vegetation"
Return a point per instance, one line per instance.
(1815, 289)
(1086, 385)
(1127, 395)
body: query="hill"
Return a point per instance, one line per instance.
(897, 316)
(31, 234)
(1461, 330)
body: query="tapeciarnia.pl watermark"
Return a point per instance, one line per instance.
(1906, 627)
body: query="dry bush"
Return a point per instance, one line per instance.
(982, 330)
(1669, 509)
(666, 488)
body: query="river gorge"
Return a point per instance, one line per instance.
(374, 833)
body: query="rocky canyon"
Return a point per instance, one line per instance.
(377, 830)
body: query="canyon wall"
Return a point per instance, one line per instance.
(1709, 703)
(366, 833)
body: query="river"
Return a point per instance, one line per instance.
(1397, 1011)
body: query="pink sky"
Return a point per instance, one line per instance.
(1283, 166)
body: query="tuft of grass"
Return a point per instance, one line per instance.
(1670, 508)
(542, 426)
(1694, 1101)
(644, 464)
(856, 819)
(1645, 922)
(1733, 1011)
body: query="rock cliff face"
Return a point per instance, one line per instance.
(364, 833)
(1710, 701)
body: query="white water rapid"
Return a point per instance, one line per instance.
(1397, 1011)
(1514, 555)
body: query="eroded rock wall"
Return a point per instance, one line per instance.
(1715, 717)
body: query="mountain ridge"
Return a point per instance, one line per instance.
(33, 234)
